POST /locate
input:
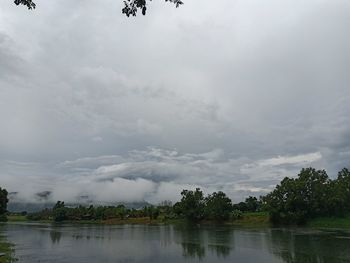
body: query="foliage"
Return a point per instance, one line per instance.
(27, 3)
(191, 206)
(3, 204)
(295, 200)
(7, 249)
(251, 204)
(236, 214)
(340, 199)
(131, 7)
(151, 211)
(217, 206)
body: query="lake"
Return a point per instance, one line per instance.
(171, 243)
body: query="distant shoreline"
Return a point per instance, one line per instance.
(253, 219)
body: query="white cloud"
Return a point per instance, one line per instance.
(302, 159)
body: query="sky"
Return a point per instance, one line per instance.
(227, 96)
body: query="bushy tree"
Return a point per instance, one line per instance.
(251, 204)
(59, 212)
(191, 205)
(217, 206)
(340, 199)
(295, 200)
(151, 211)
(3, 204)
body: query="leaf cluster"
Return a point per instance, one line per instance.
(28, 3)
(131, 7)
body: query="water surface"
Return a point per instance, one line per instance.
(168, 243)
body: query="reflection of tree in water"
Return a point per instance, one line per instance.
(55, 236)
(220, 241)
(220, 250)
(193, 250)
(194, 240)
(309, 247)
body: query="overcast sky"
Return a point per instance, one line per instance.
(228, 95)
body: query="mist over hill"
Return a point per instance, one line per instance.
(30, 207)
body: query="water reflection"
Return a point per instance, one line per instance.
(55, 236)
(176, 244)
(196, 240)
(311, 246)
(221, 241)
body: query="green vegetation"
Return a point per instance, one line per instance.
(330, 222)
(191, 205)
(252, 219)
(216, 207)
(16, 218)
(3, 204)
(311, 195)
(60, 212)
(8, 250)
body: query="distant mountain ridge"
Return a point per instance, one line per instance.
(31, 207)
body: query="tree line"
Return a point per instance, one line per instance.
(193, 207)
(294, 201)
(311, 194)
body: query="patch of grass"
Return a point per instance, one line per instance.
(330, 222)
(140, 220)
(6, 248)
(253, 219)
(16, 218)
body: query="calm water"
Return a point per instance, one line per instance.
(135, 243)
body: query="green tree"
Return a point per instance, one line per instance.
(217, 206)
(339, 200)
(59, 212)
(252, 204)
(3, 204)
(191, 206)
(294, 201)
(131, 7)
(121, 211)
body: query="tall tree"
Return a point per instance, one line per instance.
(3, 204)
(217, 206)
(131, 7)
(295, 200)
(191, 205)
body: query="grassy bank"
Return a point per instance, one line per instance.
(258, 219)
(330, 222)
(7, 249)
(254, 219)
(16, 218)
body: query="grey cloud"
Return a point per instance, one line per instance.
(93, 104)
(153, 172)
(43, 196)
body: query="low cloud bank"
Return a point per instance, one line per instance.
(151, 175)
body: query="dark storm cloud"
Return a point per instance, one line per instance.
(94, 104)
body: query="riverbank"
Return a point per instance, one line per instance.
(253, 219)
(6, 251)
(258, 219)
(330, 222)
